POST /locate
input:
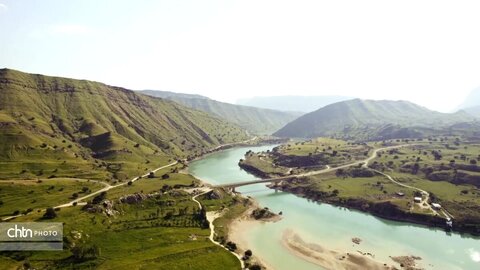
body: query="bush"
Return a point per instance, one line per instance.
(231, 246)
(50, 213)
(165, 176)
(99, 198)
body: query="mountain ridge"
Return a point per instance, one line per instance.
(351, 116)
(292, 103)
(255, 120)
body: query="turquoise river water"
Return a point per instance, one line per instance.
(333, 227)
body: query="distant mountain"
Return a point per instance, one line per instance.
(66, 127)
(370, 119)
(471, 105)
(292, 103)
(255, 120)
(473, 111)
(171, 95)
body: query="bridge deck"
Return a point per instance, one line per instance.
(258, 181)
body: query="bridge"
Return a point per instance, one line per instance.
(363, 163)
(258, 181)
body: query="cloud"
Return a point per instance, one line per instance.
(69, 29)
(3, 7)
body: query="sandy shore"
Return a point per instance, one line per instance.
(327, 258)
(238, 229)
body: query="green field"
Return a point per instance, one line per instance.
(161, 232)
(20, 195)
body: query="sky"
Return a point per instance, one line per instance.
(427, 52)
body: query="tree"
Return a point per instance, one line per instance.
(99, 198)
(165, 176)
(248, 253)
(473, 161)
(231, 246)
(50, 213)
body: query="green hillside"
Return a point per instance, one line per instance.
(369, 119)
(59, 127)
(255, 120)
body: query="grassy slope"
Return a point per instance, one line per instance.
(73, 128)
(366, 119)
(256, 120)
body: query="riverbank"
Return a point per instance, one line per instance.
(239, 227)
(381, 209)
(385, 210)
(246, 143)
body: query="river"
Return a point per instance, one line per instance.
(333, 227)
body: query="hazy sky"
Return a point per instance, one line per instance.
(424, 51)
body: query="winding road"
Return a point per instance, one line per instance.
(211, 216)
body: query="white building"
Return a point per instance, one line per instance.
(436, 206)
(417, 199)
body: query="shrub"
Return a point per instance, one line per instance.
(99, 198)
(50, 213)
(231, 246)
